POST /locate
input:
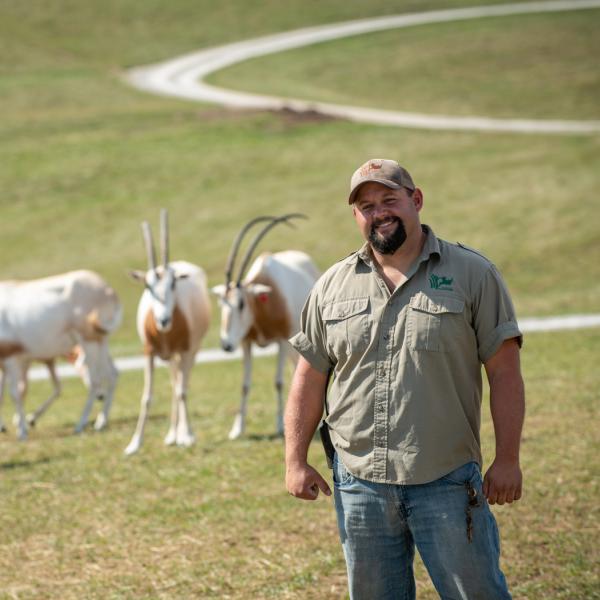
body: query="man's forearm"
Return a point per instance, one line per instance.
(507, 399)
(503, 480)
(304, 410)
(507, 405)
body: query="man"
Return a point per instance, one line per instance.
(404, 325)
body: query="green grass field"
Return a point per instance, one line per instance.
(84, 159)
(81, 521)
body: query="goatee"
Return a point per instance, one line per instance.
(387, 244)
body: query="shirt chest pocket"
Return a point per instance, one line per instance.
(432, 323)
(347, 326)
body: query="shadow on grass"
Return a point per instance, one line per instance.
(62, 431)
(131, 421)
(263, 437)
(19, 464)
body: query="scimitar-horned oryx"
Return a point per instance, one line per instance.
(263, 307)
(44, 319)
(172, 318)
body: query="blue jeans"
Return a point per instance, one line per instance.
(448, 520)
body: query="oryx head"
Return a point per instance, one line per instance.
(159, 281)
(237, 298)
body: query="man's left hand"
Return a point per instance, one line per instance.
(503, 482)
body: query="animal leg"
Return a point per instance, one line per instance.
(18, 389)
(2, 426)
(185, 436)
(281, 359)
(171, 437)
(111, 375)
(136, 441)
(90, 368)
(239, 423)
(34, 416)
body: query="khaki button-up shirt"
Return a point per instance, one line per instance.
(404, 404)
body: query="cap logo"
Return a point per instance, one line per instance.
(370, 166)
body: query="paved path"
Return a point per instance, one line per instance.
(132, 363)
(183, 76)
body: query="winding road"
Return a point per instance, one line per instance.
(183, 76)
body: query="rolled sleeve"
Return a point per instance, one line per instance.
(503, 332)
(310, 340)
(494, 317)
(310, 352)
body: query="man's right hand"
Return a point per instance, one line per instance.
(305, 482)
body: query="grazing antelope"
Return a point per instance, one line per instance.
(44, 319)
(173, 317)
(264, 307)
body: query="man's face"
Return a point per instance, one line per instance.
(386, 217)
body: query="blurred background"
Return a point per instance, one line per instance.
(85, 158)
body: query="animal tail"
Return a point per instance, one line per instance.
(108, 318)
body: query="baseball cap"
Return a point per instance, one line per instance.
(381, 170)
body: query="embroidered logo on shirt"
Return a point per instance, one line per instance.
(441, 283)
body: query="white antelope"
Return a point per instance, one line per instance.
(173, 317)
(44, 319)
(263, 308)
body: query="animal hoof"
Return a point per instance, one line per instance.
(237, 429)
(30, 420)
(3, 429)
(186, 441)
(170, 439)
(100, 422)
(132, 448)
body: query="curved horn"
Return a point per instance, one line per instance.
(164, 236)
(149, 243)
(260, 235)
(236, 246)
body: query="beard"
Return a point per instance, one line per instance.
(390, 243)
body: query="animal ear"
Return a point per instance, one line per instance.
(138, 275)
(261, 292)
(218, 290)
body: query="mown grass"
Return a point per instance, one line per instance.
(80, 519)
(84, 159)
(527, 66)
